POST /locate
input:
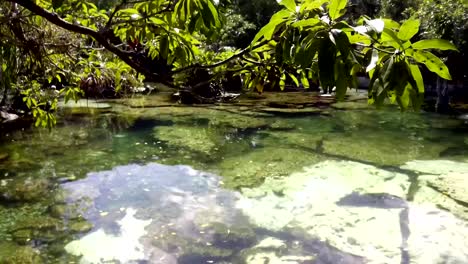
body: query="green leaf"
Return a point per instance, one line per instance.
(336, 8)
(391, 24)
(282, 82)
(358, 38)
(296, 82)
(403, 100)
(409, 28)
(269, 29)
(307, 22)
(417, 76)
(390, 37)
(439, 44)
(433, 63)
(304, 80)
(289, 4)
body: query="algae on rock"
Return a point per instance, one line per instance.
(23, 189)
(10, 253)
(196, 139)
(252, 168)
(383, 149)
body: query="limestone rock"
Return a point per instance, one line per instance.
(439, 167)
(361, 210)
(273, 250)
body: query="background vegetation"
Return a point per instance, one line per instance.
(72, 48)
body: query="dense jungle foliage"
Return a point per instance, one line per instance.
(97, 48)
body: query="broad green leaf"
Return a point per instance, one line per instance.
(304, 80)
(307, 22)
(440, 44)
(358, 38)
(269, 29)
(404, 99)
(391, 24)
(417, 76)
(296, 82)
(289, 4)
(336, 8)
(409, 28)
(390, 38)
(433, 63)
(313, 4)
(282, 82)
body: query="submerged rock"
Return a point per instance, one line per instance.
(273, 250)
(352, 105)
(448, 178)
(196, 139)
(23, 189)
(388, 149)
(360, 210)
(251, 169)
(438, 167)
(237, 121)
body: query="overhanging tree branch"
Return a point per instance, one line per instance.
(53, 18)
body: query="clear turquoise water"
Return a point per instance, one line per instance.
(41, 167)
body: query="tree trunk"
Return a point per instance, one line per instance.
(442, 104)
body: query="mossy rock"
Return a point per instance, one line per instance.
(353, 105)
(23, 189)
(232, 237)
(250, 169)
(281, 124)
(11, 253)
(380, 149)
(80, 226)
(238, 121)
(291, 111)
(289, 139)
(42, 228)
(192, 251)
